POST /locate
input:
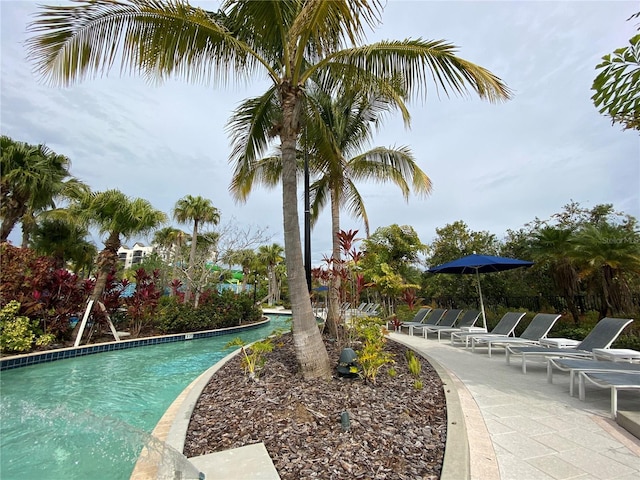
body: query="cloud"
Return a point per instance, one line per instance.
(496, 167)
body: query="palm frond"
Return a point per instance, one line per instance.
(417, 61)
(156, 38)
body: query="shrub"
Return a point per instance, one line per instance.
(49, 296)
(372, 356)
(217, 310)
(253, 356)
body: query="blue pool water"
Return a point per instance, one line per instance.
(89, 417)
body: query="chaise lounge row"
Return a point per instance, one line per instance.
(589, 362)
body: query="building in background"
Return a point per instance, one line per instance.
(133, 256)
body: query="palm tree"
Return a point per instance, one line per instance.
(553, 246)
(114, 215)
(170, 240)
(200, 211)
(610, 255)
(289, 41)
(336, 130)
(61, 240)
(33, 177)
(271, 256)
(246, 258)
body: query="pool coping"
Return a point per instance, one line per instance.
(172, 427)
(35, 358)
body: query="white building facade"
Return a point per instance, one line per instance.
(133, 256)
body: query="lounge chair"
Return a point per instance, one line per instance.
(538, 328)
(503, 328)
(466, 321)
(577, 365)
(431, 319)
(612, 380)
(448, 320)
(418, 318)
(601, 336)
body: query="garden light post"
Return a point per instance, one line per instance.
(307, 217)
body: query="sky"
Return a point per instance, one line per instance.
(495, 167)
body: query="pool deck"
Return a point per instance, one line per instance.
(519, 427)
(502, 424)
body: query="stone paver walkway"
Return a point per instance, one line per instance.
(528, 429)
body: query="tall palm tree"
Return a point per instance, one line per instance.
(289, 41)
(271, 256)
(118, 217)
(200, 211)
(171, 240)
(335, 133)
(33, 177)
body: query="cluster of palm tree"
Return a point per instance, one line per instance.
(314, 55)
(598, 256)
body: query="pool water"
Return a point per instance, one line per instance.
(89, 417)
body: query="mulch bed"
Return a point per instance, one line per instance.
(396, 431)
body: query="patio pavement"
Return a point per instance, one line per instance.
(520, 427)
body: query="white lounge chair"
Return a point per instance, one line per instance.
(417, 319)
(601, 336)
(613, 380)
(431, 319)
(448, 320)
(577, 365)
(503, 328)
(466, 321)
(538, 328)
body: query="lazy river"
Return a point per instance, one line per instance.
(89, 417)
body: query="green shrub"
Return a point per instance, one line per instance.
(253, 358)
(372, 356)
(217, 310)
(16, 332)
(413, 363)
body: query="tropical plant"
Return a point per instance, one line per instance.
(610, 254)
(253, 356)
(46, 294)
(170, 241)
(336, 131)
(142, 305)
(247, 259)
(63, 241)
(32, 178)
(617, 86)
(271, 256)
(16, 331)
(116, 216)
(292, 42)
(200, 211)
(553, 246)
(371, 355)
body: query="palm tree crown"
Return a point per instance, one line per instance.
(288, 41)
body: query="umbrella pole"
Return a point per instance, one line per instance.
(484, 316)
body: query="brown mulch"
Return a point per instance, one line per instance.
(395, 432)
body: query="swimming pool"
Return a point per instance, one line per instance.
(89, 417)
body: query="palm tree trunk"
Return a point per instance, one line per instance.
(307, 339)
(333, 313)
(12, 215)
(192, 261)
(107, 262)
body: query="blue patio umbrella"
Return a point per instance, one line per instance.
(477, 264)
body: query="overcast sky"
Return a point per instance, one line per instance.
(493, 166)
